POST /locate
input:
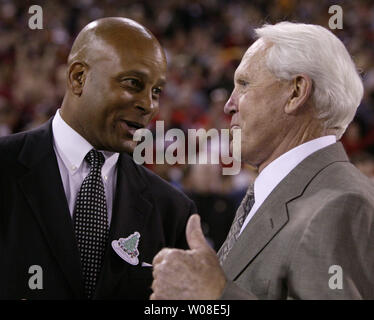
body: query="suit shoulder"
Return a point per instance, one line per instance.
(340, 193)
(343, 178)
(11, 145)
(12, 140)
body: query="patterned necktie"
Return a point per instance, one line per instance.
(242, 212)
(91, 221)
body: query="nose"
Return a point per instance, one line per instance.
(145, 102)
(231, 106)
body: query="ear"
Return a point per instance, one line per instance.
(301, 92)
(76, 77)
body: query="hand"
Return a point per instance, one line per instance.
(193, 274)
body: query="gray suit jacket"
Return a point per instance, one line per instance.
(319, 217)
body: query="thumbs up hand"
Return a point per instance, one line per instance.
(193, 274)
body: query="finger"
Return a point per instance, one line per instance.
(194, 233)
(160, 256)
(154, 286)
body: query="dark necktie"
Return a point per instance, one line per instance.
(91, 221)
(242, 212)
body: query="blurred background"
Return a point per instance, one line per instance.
(204, 41)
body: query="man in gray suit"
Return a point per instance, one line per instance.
(305, 229)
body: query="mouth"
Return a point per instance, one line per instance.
(131, 126)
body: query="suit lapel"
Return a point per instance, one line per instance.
(43, 189)
(131, 209)
(132, 204)
(273, 215)
(265, 224)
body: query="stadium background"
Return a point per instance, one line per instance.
(204, 41)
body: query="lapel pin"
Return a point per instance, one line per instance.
(127, 248)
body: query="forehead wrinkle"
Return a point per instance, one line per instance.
(253, 61)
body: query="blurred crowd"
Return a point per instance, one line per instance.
(204, 41)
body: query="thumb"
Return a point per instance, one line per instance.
(194, 234)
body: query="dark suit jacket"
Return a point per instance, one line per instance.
(321, 215)
(36, 227)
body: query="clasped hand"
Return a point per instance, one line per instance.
(193, 274)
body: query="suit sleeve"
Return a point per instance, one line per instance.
(233, 292)
(335, 256)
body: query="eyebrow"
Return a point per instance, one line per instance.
(140, 74)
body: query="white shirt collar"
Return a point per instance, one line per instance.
(278, 169)
(72, 147)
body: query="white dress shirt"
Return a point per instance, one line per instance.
(278, 169)
(71, 148)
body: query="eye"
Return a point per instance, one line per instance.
(132, 83)
(156, 92)
(242, 83)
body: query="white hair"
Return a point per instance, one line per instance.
(315, 51)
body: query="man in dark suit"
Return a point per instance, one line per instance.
(305, 230)
(78, 218)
